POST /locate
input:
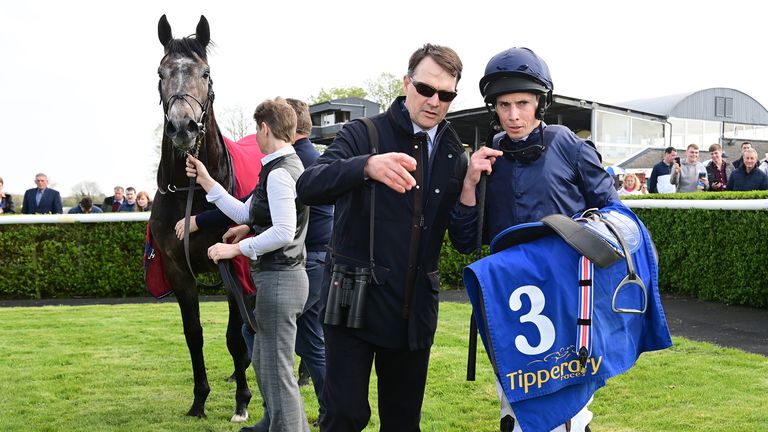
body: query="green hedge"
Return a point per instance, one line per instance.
(714, 255)
(717, 255)
(72, 260)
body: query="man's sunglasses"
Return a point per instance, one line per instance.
(427, 90)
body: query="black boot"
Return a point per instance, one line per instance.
(261, 426)
(507, 424)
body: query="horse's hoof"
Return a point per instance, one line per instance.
(239, 418)
(198, 414)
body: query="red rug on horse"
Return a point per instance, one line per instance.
(243, 154)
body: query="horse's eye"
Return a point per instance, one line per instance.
(160, 74)
(206, 74)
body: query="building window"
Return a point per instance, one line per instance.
(723, 106)
(692, 131)
(745, 131)
(619, 136)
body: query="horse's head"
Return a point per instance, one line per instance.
(186, 89)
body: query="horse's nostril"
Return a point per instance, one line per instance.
(192, 128)
(170, 130)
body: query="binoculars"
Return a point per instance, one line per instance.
(346, 296)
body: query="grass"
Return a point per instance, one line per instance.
(126, 368)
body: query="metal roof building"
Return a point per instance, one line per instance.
(630, 134)
(625, 131)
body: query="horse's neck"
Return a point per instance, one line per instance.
(217, 156)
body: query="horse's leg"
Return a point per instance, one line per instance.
(241, 360)
(189, 305)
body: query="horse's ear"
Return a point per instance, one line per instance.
(203, 32)
(164, 31)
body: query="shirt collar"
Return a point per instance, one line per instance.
(432, 132)
(272, 156)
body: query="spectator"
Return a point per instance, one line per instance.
(85, 206)
(718, 170)
(632, 186)
(112, 203)
(738, 163)
(6, 201)
(42, 199)
(688, 175)
(763, 164)
(143, 202)
(401, 303)
(661, 173)
(279, 255)
(129, 203)
(534, 170)
(748, 177)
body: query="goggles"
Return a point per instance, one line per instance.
(427, 90)
(524, 155)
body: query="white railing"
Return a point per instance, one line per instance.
(754, 204)
(72, 218)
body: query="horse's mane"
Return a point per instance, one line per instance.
(187, 47)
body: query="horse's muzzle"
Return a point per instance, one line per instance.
(183, 134)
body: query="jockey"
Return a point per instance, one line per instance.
(533, 170)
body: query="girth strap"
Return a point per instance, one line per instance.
(584, 315)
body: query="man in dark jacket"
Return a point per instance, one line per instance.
(739, 163)
(661, 173)
(42, 199)
(112, 203)
(748, 177)
(416, 175)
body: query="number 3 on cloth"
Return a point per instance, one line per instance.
(543, 324)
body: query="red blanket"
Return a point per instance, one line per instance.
(246, 156)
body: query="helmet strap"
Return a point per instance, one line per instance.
(545, 100)
(494, 124)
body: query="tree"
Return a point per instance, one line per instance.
(86, 188)
(236, 123)
(385, 89)
(337, 93)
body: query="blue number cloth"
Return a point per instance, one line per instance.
(528, 300)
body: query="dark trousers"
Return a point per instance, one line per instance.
(402, 375)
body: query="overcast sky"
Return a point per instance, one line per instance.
(79, 78)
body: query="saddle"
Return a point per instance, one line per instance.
(565, 304)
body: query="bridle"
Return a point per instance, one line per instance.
(202, 123)
(199, 140)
